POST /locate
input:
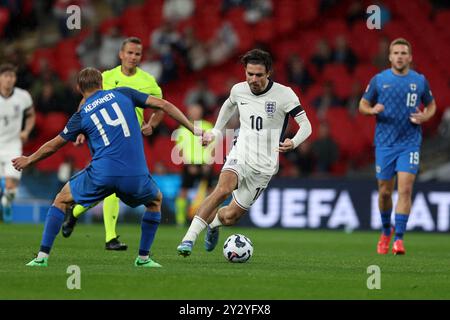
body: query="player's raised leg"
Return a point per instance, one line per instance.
(72, 215)
(225, 216)
(405, 188)
(227, 183)
(385, 190)
(53, 222)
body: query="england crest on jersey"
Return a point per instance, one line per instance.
(271, 107)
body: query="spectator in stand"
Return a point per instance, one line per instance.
(178, 10)
(225, 91)
(72, 96)
(352, 102)
(381, 59)
(48, 100)
(117, 6)
(152, 64)
(255, 10)
(444, 125)
(297, 73)
(322, 55)
(342, 53)
(165, 38)
(46, 75)
(229, 4)
(355, 12)
(325, 5)
(195, 52)
(110, 45)
(326, 100)
(303, 160)
(89, 49)
(223, 45)
(201, 95)
(325, 150)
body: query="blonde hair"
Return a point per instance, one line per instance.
(401, 41)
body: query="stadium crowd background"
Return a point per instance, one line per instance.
(321, 48)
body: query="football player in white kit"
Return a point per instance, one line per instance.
(15, 104)
(264, 107)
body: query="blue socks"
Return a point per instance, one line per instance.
(400, 225)
(149, 225)
(386, 222)
(53, 223)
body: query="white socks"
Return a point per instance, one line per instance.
(42, 255)
(216, 222)
(197, 226)
(8, 197)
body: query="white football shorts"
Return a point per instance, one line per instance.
(251, 183)
(6, 168)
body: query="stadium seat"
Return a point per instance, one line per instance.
(40, 54)
(285, 17)
(264, 31)
(161, 151)
(364, 72)
(333, 28)
(309, 11)
(53, 125)
(4, 19)
(80, 155)
(52, 163)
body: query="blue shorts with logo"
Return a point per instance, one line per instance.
(87, 189)
(390, 160)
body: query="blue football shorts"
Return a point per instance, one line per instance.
(390, 160)
(88, 189)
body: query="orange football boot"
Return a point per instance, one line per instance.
(384, 242)
(398, 247)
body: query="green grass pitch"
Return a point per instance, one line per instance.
(286, 264)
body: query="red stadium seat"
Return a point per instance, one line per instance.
(161, 151)
(4, 19)
(52, 163)
(339, 76)
(285, 16)
(364, 72)
(53, 125)
(80, 155)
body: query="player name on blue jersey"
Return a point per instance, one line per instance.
(108, 97)
(109, 121)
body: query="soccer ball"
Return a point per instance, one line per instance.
(238, 248)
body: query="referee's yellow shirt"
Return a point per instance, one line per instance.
(141, 81)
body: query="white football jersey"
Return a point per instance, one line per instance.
(11, 117)
(263, 119)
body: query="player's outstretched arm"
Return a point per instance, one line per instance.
(173, 112)
(366, 108)
(226, 112)
(46, 150)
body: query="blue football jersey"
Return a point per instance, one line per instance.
(109, 122)
(401, 96)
